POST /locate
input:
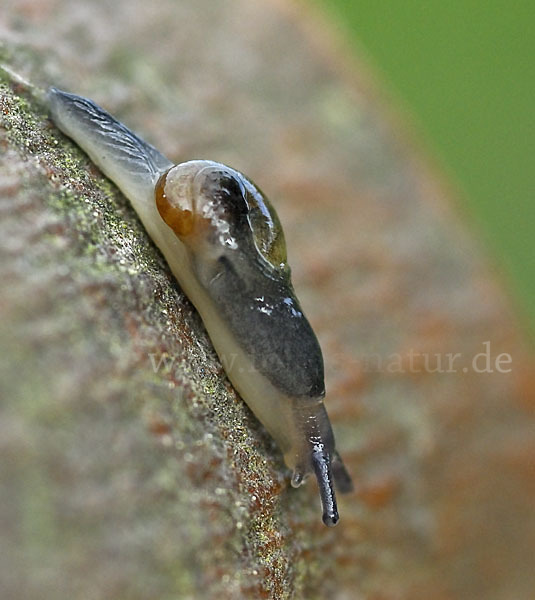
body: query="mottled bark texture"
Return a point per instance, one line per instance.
(130, 468)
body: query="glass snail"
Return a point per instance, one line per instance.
(224, 244)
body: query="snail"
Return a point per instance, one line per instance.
(224, 243)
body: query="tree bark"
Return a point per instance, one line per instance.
(130, 467)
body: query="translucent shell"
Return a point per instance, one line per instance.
(267, 231)
(206, 200)
(175, 208)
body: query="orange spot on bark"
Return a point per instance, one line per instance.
(379, 493)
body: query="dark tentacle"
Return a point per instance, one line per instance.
(322, 467)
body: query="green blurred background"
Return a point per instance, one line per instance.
(465, 71)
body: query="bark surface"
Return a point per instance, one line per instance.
(130, 468)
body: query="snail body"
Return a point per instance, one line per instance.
(224, 244)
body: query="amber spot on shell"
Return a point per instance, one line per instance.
(180, 220)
